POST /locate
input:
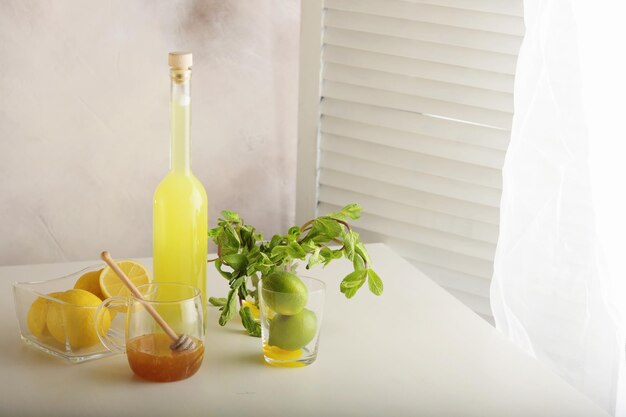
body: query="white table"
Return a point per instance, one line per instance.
(414, 351)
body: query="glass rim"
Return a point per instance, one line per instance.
(317, 280)
(196, 293)
(31, 286)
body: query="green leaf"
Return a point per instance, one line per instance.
(374, 282)
(230, 216)
(351, 211)
(349, 241)
(237, 282)
(352, 282)
(354, 279)
(276, 239)
(327, 227)
(264, 260)
(213, 232)
(319, 238)
(252, 326)
(217, 301)
(236, 261)
(295, 251)
(358, 263)
(247, 237)
(315, 258)
(243, 291)
(226, 274)
(230, 308)
(278, 253)
(293, 234)
(360, 249)
(329, 254)
(309, 247)
(228, 241)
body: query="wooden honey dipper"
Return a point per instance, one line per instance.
(179, 343)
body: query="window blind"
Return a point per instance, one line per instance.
(415, 111)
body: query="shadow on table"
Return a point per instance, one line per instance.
(105, 369)
(114, 372)
(34, 357)
(234, 359)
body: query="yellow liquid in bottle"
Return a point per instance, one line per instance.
(180, 232)
(180, 213)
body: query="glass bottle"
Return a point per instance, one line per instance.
(180, 213)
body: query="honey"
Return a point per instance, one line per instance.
(150, 357)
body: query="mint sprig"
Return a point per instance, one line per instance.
(243, 253)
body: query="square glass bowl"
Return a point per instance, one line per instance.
(27, 293)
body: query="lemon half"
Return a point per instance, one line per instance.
(111, 285)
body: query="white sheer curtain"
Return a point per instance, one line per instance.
(560, 267)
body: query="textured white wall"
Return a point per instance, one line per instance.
(84, 126)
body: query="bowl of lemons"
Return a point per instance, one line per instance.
(58, 316)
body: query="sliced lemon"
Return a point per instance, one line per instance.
(287, 357)
(275, 352)
(90, 281)
(112, 286)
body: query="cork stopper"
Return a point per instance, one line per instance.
(180, 60)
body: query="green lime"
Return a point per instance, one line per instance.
(293, 332)
(284, 293)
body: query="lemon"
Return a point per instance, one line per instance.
(293, 332)
(284, 292)
(74, 320)
(37, 316)
(54, 320)
(90, 281)
(111, 285)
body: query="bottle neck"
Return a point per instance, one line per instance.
(180, 120)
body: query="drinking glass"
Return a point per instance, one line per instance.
(291, 340)
(146, 345)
